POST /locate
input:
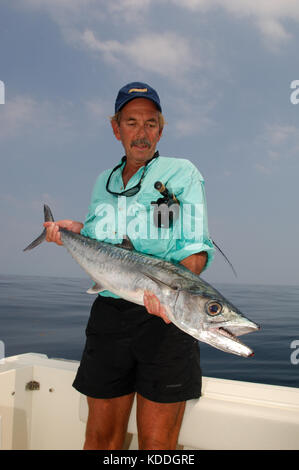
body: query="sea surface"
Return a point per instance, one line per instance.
(48, 315)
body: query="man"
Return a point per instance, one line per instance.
(130, 348)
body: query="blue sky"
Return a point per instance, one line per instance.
(223, 70)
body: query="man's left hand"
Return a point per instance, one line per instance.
(153, 306)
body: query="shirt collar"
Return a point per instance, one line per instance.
(148, 163)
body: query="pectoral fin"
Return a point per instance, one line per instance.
(95, 289)
(161, 283)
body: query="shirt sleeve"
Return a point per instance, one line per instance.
(193, 222)
(88, 229)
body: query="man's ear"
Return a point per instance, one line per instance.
(160, 132)
(116, 130)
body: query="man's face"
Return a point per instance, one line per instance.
(138, 129)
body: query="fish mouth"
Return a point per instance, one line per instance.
(225, 337)
(233, 331)
(231, 336)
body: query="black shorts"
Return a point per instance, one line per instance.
(129, 350)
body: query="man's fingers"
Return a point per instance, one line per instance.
(52, 233)
(153, 306)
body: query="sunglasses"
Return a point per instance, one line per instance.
(131, 191)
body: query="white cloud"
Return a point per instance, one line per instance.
(166, 54)
(267, 15)
(16, 114)
(128, 10)
(193, 118)
(278, 134)
(273, 32)
(98, 109)
(188, 126)
(265, 170)
(25, 115)
(278, 145)
(73, 16)
(262, 8)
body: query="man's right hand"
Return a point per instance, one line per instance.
(53, 234)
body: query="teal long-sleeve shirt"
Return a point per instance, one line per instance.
(111, 217)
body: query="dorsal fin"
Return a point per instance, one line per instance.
(126, 243)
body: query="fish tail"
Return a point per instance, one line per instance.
(48, 218)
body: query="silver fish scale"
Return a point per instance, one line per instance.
(84, 250)
(115, 269)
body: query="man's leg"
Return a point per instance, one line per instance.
(107, 422)
(158, 424)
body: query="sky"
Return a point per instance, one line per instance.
(226, 73)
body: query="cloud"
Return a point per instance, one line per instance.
(128, 10)
(16, 114)
(98, 109)
(278, 134)
(166, 54)
(267, 15)
(194, 118)
(75, 16)
(24, 114)
(279, 144)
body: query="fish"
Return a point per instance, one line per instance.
(191, 303)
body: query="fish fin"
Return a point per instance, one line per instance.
(37, 241)
(48, 218)
(95, 289)
(159, 281)
(48, 214)
(126, 243)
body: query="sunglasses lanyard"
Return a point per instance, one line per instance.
(131, 191)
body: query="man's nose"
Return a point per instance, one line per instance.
(141, 131)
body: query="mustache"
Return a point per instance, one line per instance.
(141, 142)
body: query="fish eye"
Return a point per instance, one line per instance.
(214, 308)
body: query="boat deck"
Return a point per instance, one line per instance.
(39, 409)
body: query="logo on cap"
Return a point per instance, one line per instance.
(136, 90)
(141, 90)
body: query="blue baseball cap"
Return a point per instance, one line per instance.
(136, 90)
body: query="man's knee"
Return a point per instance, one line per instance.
(102, 440)
(107, 422)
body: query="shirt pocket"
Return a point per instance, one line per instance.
(155, 241)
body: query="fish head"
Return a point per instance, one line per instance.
(214, 320)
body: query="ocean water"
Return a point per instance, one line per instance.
(48, 315)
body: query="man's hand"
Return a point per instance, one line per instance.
(152, 305)
(194, 263)
(53, 234)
